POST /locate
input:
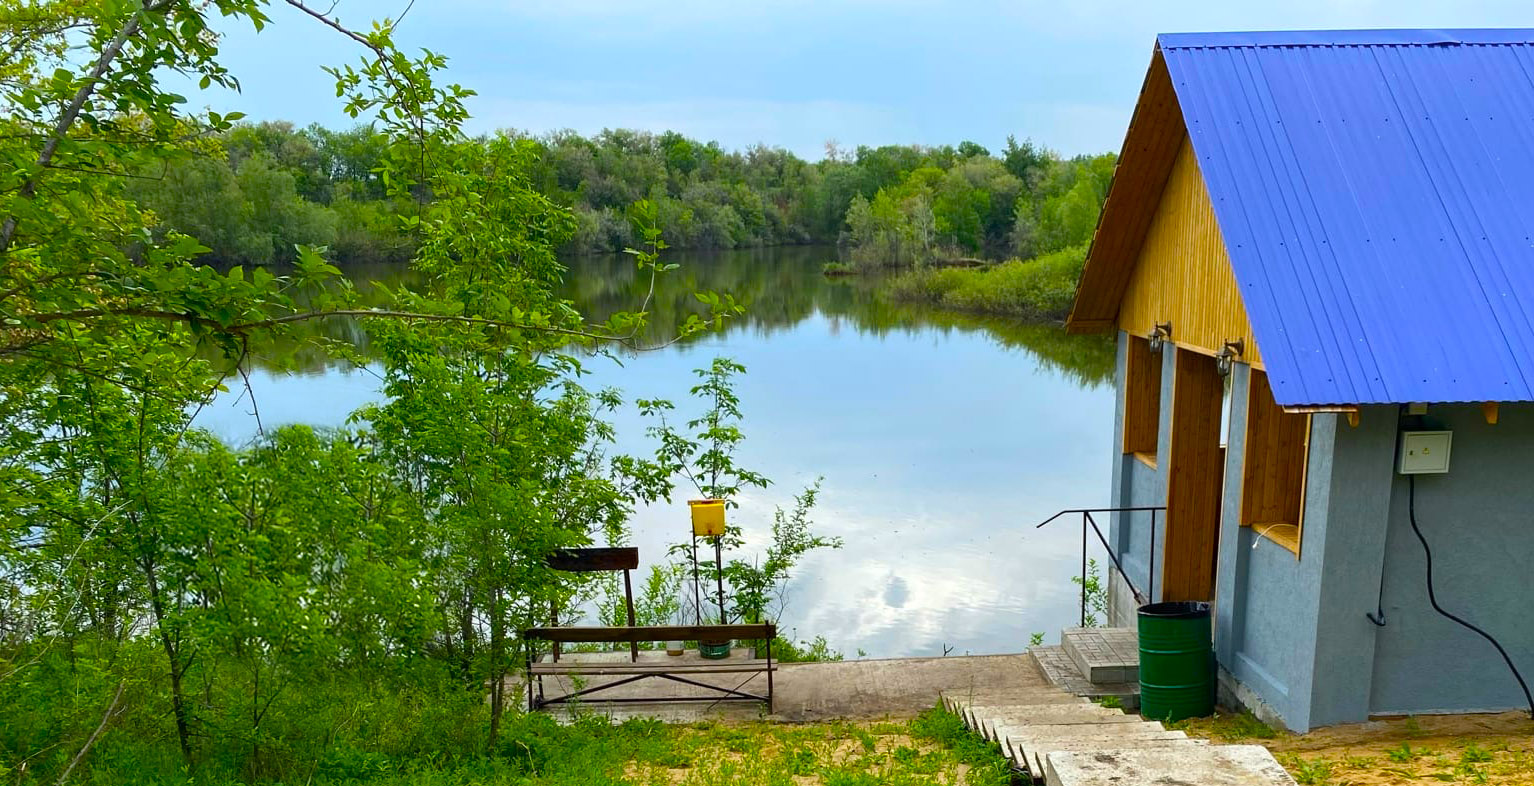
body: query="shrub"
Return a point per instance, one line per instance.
(1041, 288)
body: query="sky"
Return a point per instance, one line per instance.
(792, 73)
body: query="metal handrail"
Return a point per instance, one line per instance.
(1087, 520)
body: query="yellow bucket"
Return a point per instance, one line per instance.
(707, 516)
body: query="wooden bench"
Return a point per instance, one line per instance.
(596, 560)
(634, 671)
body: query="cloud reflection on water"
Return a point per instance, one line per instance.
(941, 443)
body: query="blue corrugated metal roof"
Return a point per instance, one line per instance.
(1375, 190)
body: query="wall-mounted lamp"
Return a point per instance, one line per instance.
(1227, 357)
(1159, 335)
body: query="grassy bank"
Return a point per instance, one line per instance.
(1035, 289)
(933, 748)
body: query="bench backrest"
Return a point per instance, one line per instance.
(594, 560)
(652, 633)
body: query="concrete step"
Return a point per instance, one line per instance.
(1028, 743)
(996, 729)
(972, 712)
(1103, 655)
(1033, 757)
(1006, 733)
(982, 718)
(1206, 765)
(1063, 673)
(956, 701)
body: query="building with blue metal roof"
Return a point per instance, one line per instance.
(1318, 256)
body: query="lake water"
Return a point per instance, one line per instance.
(942, 440)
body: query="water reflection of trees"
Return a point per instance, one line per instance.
(781, 287)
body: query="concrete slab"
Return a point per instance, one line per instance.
(1050, 713)
(1033, 758)
(1003, 732)
(963, 710)
(986, 721)
(1103, 655)
(1059, 670)
(805, 692)
(1212, 765)
(1028, 737)
(1043, 714)
(1035, 748)
(957, 700)
(1025, 741)
(997, 732)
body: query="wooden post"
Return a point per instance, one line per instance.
(719, 575)
(628, 599)
(554, 623)
(697, 598)
(770, 635)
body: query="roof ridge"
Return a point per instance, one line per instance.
(1381, 37)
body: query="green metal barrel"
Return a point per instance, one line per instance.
(1176, 661)
(714, 650)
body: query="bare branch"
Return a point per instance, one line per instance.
(95, 735)
(250, 391)
(324, 17)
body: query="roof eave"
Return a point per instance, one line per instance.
(1145, 162)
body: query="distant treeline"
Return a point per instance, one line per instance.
(261, 188)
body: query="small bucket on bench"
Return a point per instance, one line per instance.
(714, 650)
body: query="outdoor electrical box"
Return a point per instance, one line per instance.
(1425, 452)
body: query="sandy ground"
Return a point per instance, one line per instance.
(1495, 749)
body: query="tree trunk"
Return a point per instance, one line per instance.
(497, 671)
(173, 657)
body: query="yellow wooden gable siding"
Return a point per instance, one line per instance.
(1183, 275)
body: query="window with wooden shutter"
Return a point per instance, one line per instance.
(1273, 475)
(1142, 400)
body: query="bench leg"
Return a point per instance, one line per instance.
(628, 602)
(769, 676)
(528, 675)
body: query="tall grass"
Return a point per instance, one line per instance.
(358, 734)
(1038, 289)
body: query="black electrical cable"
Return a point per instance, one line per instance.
(1411, 509)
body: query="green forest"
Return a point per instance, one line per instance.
(260, 188)
(257, 190)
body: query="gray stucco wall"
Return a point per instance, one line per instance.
(1268, 602)
(1479, 521)
(1135, 484)
(1351, 539)
(1266, 598)
(1292, 630)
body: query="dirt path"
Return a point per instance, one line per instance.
(1494, 749)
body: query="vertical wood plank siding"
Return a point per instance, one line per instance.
(1183, 274)
(1273, 470)
(1142, 398)
(1197, 472)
